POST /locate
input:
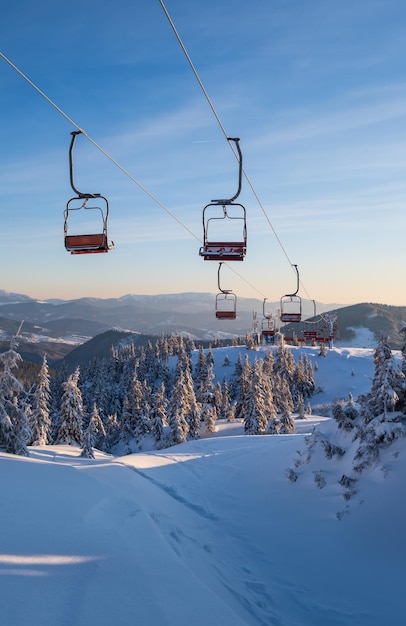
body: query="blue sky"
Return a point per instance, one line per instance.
(315, 90)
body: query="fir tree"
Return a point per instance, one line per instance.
(254, 408)
(226, 411)
(245, 383)
(14, 428)
(157, 416)
(322, 349)
(176, 413)
(112, 433)
(208, 417)
(40, 421)
(70, 426)
(287, 424)
(388, 382)
(226, 362)
(94, 427)
(300, 406)
(235, 381)
(193, 419)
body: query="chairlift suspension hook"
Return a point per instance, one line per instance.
(297, 284)
(74, 134)
(231, 200)
(225, 291)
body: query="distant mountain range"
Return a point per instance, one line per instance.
(56, 327)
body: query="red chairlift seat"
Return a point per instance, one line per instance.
(223, 250)
(291, 317)
(86, 244)
(226, 315)
(310, 334)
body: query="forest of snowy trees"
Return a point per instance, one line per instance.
(158, 396)
(361, 430)
(151, 396)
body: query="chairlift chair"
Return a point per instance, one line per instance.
(311, 327)
(221, 249)
(94, 205)
(291, 305)
(226, 302)
(268, 325)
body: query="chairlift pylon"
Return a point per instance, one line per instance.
(95, 204)
(217, 248)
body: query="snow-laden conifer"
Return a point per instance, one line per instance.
(388, 382)
(245, 384)
(254, 407)
(176, 413)
(14, 427)
(94, 427)
(157, 416)
(40, 421)
(71, 419)
(286, 421)
(194, 419)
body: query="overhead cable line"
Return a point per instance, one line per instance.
(212, 107)
(96, 145)
(114, 161)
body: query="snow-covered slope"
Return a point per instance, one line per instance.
(210, 532)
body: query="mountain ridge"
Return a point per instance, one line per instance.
(58, 327)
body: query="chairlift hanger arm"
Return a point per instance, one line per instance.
(290, 295)
(231, 200)
(74, 134)
(225, 291)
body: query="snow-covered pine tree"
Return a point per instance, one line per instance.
(193, 419)
(254, 408)
(192, 408)
(382, 422)
(205, 393)
(300, 406)
(226, 410)
(112, 433)
(218, 398)
(235, 380)
(157, 416)
(94, 427)
(208, 416)
(287, 423)
(71, 420)
(126, 433)
(201, 375)
(226, 362)
(176, 413)
(388, 382)
(138, 408)
(303, 380)
(40, 421)
(14, 428)
(245, 384)
(322, 349)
